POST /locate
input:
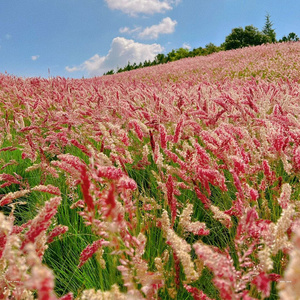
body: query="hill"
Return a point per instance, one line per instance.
(177, 181)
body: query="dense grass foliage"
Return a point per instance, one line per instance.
(179, 181)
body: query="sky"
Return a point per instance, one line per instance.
(85, 38)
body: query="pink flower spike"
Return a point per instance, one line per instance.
(17, 229)
(47, 189)
(274, 277)
(90, 250)
(171, 199)
(72, 160)
(263, 185)
(176, 159)
(69, 296)
(10, 148)
(8, 198)
(196, 293)
(237, 208)
(178, 131)
(239, 165)
(58, 230)
(296, 158)
(81, 147)
(206, 202)
(253, 194)
(3, 239)
(285, 195)
(127, 183)
(163, 136)
(10, 179)
(222, 266)
(110, 200)
(112, 173)
(137, 129)
(177, 269)
(203, 156)
(238, 184)
(42, 221)
(85, 186)
(270, 175)
(152, 142)
(66, 167)
(262, 283)
(42, 280)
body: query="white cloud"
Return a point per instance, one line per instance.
(72, 69)
(166, 26)
(35, 57)
(130, 31)
(122, 50)
(8, 36)
(133, 7)
(124, 29)
(186, 46)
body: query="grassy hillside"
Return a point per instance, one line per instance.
(179, 181)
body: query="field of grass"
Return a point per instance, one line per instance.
(179, 181)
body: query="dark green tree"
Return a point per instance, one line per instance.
(253, 37)
(268, 30)
(235, 39)
(197, 52)
(178, 54)
(292, 37)
(211, 48)
(239, 37)
(171, 56)
(160, 58)
(182, 53)
(110, 72)
(147, 63)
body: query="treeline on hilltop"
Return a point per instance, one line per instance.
(238, 38)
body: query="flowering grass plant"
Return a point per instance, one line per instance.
(179, 181)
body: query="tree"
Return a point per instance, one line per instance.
(147, 63)
(178, 54)
(253, 37)
(182, 53)
(197, 52)
(235, 39)
(268, 30)
(160, 58)
(211, 48)
(171, 56)
(110, 72)
(239, 37)
(292, 37)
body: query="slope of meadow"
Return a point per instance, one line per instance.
(179, 181)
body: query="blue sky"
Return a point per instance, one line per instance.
(75, 38)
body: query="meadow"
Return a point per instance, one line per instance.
(178, 181)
